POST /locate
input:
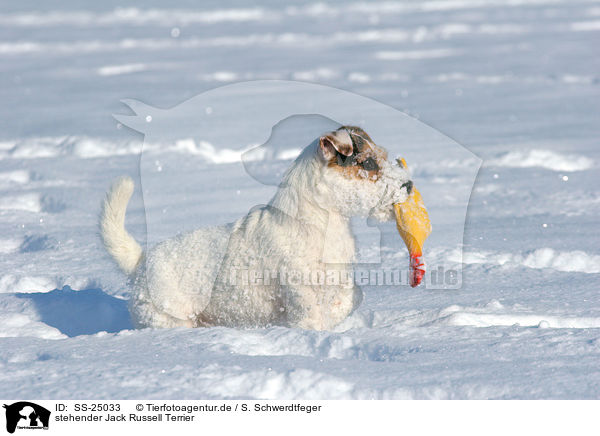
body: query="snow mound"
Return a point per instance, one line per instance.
(567, 261)
(543, 159)
(21, 283)
(89, 148)
(203, 149)
(130, 16)
(18, 177)
(474, 317)
(13, 283)
(20, 325)
(577, 261)
(26, 202)
(77, 146)
(115, 70)
(490, 314)
(268, 383)
(415, 54)
(9, 245)
(585, 26)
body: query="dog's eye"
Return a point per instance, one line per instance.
(344, 161)
(369, 164)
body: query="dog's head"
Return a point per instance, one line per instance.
(357, 178)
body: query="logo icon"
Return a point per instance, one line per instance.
(179, 142)
(26, 415)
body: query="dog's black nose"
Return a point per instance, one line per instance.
(408, 185)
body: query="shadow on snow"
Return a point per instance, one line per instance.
(84, 312)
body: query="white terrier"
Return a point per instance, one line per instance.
(279, 265)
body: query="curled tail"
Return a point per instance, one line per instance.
(119, 244)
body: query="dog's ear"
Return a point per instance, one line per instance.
(338, 141)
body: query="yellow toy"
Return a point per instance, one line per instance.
(414, 226)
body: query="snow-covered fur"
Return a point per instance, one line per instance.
(121, 246)
(287, 263)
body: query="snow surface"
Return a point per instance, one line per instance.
(517, 83)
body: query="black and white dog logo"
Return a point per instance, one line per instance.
(26, 415)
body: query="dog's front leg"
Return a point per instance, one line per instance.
(302, 308)
(318, 308)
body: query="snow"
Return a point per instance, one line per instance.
(515, 82)
(577, 261)
(414, 54)
(26, 202)
(114, 70)
(543, 159)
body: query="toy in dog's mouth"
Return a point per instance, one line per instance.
(412, 221)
